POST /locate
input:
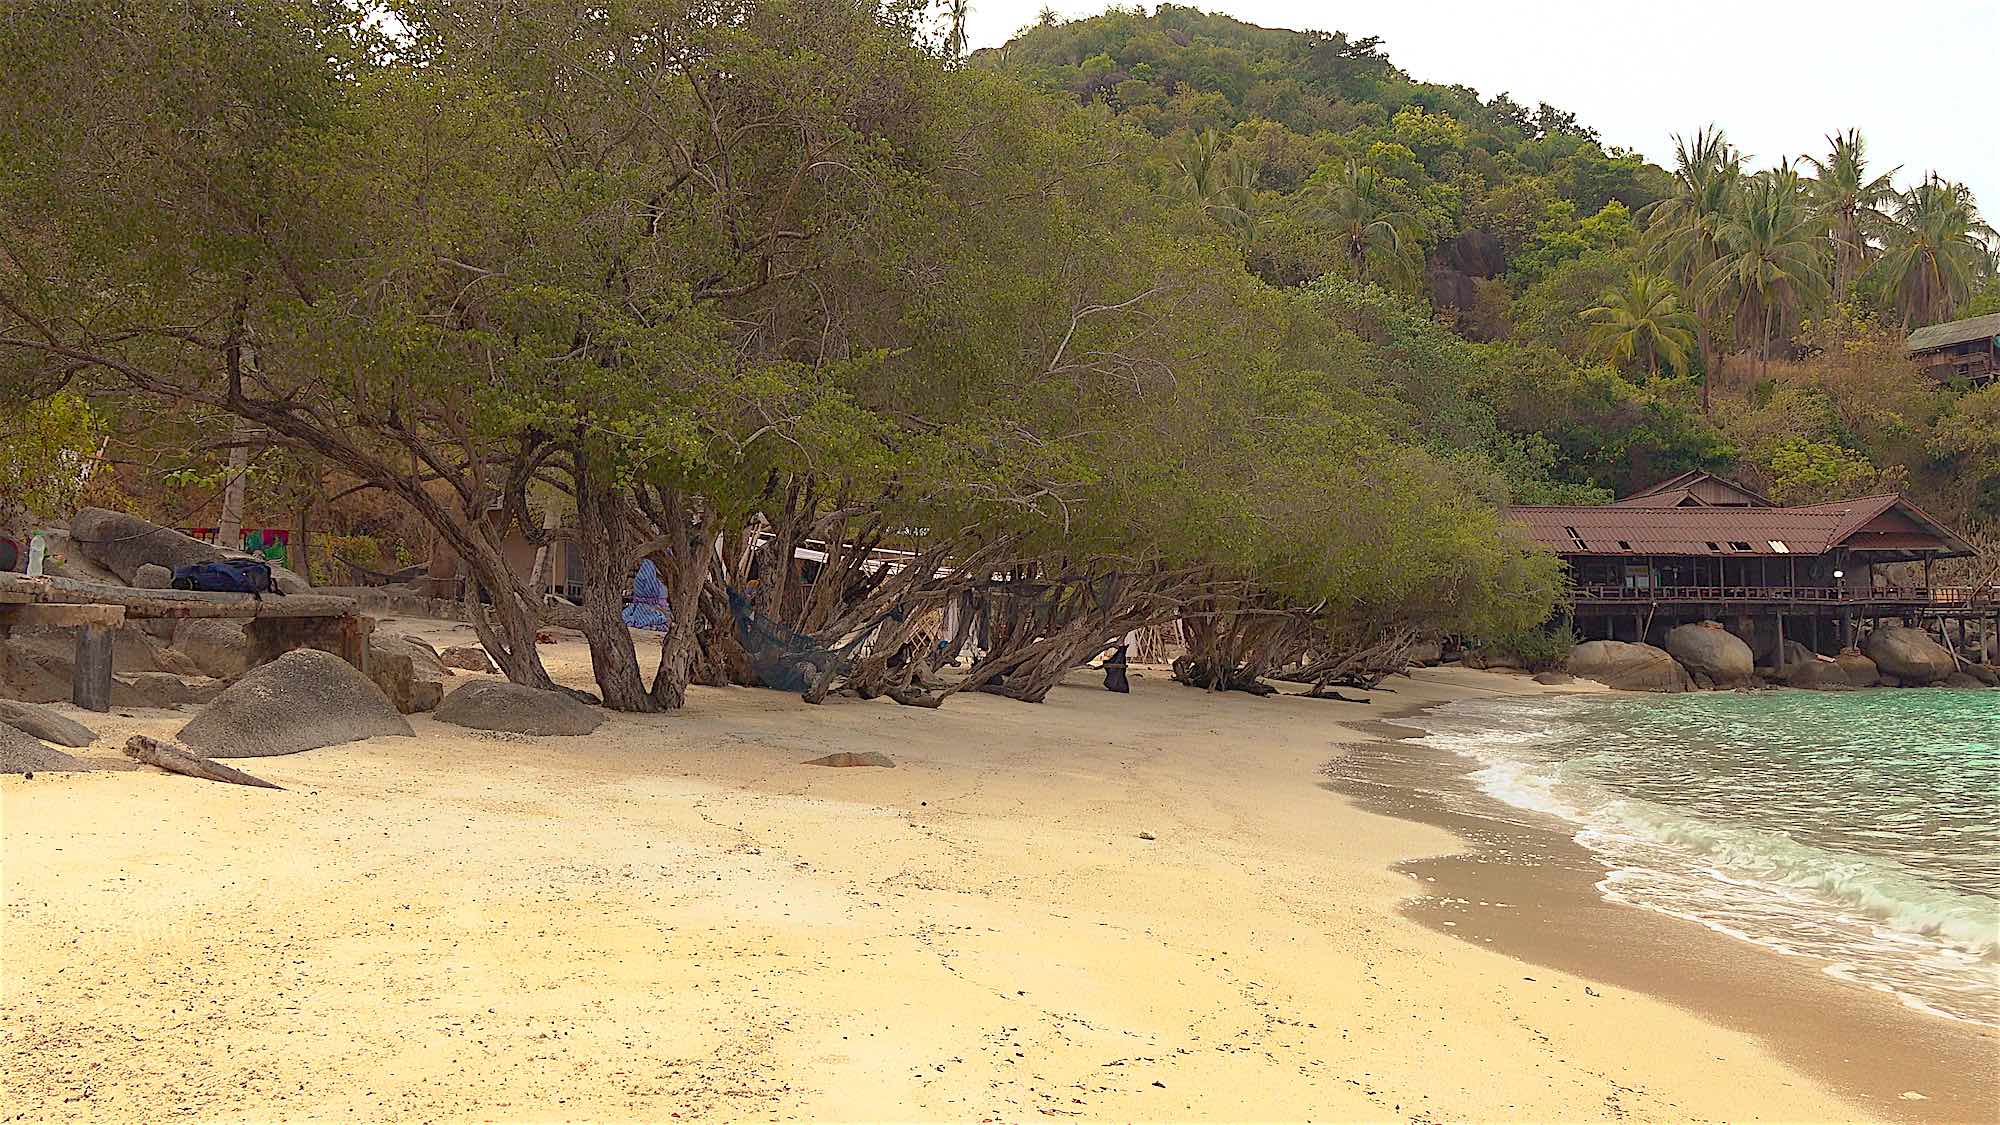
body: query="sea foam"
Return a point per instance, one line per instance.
(1860, 829)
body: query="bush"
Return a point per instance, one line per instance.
(1544, 649)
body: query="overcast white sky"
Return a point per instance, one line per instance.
(1921, 78)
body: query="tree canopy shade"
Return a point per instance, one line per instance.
(726, 281)
(1147, 317)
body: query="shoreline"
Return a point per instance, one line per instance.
(1106, 907)
(1523, 886)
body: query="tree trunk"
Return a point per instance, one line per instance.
(607, 576)
(1764, 357)
(1708, 360)
(685, 576)
(229, 524)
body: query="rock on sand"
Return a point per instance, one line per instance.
(303, 700)
(1628, 667)
(849, 758)
(471, 658)
(45, 724)
(487, 705)
(21, 754)
(408, 672)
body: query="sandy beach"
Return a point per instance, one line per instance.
(676, 919)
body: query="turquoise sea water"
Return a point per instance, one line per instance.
(1860, 829)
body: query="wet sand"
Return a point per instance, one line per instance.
(1525, 888)
(1105, 907)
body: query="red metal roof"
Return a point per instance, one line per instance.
(1810, 530)
(1682, 490)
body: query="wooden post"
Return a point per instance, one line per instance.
(90, 688)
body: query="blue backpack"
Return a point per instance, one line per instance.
(228, 576)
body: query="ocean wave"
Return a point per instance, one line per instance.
(1879, 890)
(1696, 815)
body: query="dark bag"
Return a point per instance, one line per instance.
(226, 576)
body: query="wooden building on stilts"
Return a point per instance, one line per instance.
(1699, 547)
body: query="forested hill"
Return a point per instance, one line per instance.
(1608, 300)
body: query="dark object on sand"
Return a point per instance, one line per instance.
(1114, 672)
(226, 576)
(848, 758)
(173, 759)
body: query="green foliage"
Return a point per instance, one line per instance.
(46, 451)
(1805, 471)
(1642, 321)
(1542, 647)
(1560, 238)
(1986, 299)
(1938, 249)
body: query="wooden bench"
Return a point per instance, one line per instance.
(275, 624)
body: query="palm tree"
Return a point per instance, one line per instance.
(1683, 230)
(1937, 247)
(1198, 167)
(1849, 205)
(1368, 226)
(1223, 183)
(956, 13)
(1642, 318)
(1769, 263)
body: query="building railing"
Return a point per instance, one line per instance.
(1941, 596)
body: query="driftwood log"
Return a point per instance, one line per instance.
(173, 759)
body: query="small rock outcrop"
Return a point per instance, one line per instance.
(471, 658)
(303, 700)
(1962, 682)
(408, 672)
(45, 724)
(1789, 654)
(1861, 671)
(1628, 667)
(1554, 679)
(122, 543)
(39, 666)
(1819, 675)
(217, 646)
(849, 758)
(489, 705)
(162, 689)
(153, 577)
(1706, 649)
(1909, 655)
(31, 674)
(132, 650)
(20, 753)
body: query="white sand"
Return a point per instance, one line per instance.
(674, 918)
